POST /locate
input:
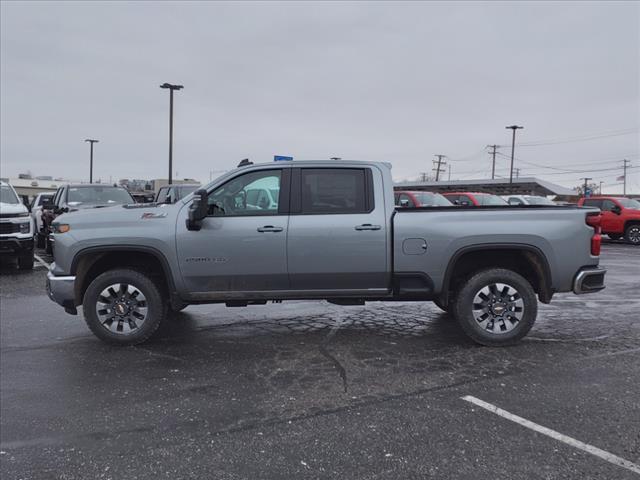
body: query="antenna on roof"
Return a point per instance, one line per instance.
(244, 163)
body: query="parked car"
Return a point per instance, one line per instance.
(527, 200)
(16, 228)
(173, 193)
(334, 234)
(620, 216)
(465, 199)
(39, 202)
(73, 197)
(415, 199)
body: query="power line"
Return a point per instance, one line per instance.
(579, 138)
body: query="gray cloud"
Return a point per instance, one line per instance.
(385, 81)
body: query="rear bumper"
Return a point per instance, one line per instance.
(62, 290)
(15, 245)
(589, 281)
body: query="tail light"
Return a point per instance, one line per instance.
(593, 220)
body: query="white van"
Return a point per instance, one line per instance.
(16, 228)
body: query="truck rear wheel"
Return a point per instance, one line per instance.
(124, 307)
(495, 307)
(632, 234)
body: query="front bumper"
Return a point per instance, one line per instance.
(62, 291)
(15, 245)
(589, 280)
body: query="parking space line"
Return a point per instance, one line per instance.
(609, 457)
(41, 261)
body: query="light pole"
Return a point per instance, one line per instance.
(91, 142)
(171, 89)
(513, 146)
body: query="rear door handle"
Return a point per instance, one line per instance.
(368, 226)
(270, 228)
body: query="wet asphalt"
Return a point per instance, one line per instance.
(314, 390)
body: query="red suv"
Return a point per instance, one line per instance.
(620, 216)
(475, 199)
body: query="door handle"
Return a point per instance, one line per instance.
(270, 228)
(368, 226)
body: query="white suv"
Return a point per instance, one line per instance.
(16, 228)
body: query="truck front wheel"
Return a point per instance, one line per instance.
(495, 307)
(124, 307)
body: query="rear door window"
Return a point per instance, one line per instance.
(334, 190)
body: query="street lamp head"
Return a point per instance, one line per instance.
(514, 127)
(91, 140)
(171, 87)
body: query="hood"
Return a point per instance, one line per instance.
(118, 215)
(12, 209)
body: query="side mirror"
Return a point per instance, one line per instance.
(198, 210)
(616, 209)
(404, 202)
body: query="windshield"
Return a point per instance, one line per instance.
(539, 201)
(98, 196)
(490, 200)
(427, 199)
(629, 203)
(7, 195)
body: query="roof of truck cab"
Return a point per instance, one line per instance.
(331, 163)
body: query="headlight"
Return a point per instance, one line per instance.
(25, 227)
(60, 227)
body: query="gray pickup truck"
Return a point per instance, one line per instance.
(319, 230)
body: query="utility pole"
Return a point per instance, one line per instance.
(600, 188)
(513, 146)
(449, 179)
(171, 89)
(423, 177)
(493, 161)
(584, 190)
(517, 170)
(438, 166)
(624, 185)
(91, 142)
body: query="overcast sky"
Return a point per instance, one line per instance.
(397, 82)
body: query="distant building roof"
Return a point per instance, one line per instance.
(498, 186)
